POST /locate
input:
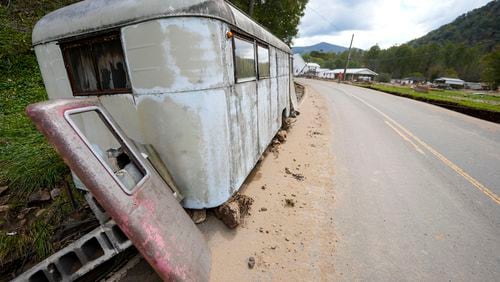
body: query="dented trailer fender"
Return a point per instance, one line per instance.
(130, 190)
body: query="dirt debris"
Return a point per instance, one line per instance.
(297, 176)
(199, 216)
(288, 124)
(281, 136)
(229, 213)
(233, 211)
(251, 262)
(289, 202)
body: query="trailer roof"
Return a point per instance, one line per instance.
(362, 71)
(91, 16)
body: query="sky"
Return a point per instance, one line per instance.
(382, 22)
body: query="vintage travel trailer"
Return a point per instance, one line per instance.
(198, 81)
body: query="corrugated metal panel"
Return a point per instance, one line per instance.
(243, 131)
(275, 111)
(264, 113)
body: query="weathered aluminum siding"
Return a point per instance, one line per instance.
(283, 80)
(54, 73)
(174, 55)
(180, 82)
(190, 132)
(275, 111)
(264, 108)
(244, 131)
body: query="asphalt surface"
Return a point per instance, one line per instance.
(417, 189)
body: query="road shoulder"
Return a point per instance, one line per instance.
(290, 230)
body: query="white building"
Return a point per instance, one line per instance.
(320, 72)
(446, 82)
(311, 68)
(298, 64)
(353, 74)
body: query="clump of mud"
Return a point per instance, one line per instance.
(297, 176)
(233, 211)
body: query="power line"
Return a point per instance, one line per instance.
(324, 18)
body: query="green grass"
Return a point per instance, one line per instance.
(458, 97)
(27, 162)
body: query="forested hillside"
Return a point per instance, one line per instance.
(479, 27)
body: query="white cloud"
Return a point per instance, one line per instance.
(383, 22)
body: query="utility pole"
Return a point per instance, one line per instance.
(348, 58)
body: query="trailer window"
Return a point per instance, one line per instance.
(244, 59)
(96, 65)
(263, 61)
(109, 147)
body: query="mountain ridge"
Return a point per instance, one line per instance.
(320, 47)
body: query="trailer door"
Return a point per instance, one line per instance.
(126, 185)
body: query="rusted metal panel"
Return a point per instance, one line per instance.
(147, 213)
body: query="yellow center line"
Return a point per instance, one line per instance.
(449, 163)
(405, 138)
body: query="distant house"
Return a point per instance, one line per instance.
(447, 82)
(310, 69)
(412, 80)
(321, 72)
(358, 74)
(298, 64)
(473, 85)
(329, 74)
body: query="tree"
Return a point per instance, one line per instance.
(491, 71)
(383, 77)
(281, 17)
(372, 58)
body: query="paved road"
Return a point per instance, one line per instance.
(417, 189)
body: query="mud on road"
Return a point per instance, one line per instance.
(289, 232)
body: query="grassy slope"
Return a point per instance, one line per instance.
(27, 163)
(468, 100)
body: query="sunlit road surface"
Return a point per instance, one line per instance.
(417, 189)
